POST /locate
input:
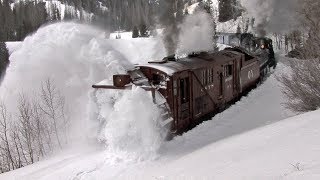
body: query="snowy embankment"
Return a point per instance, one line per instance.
(246, 141)
(285, 150)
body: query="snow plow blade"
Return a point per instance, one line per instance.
(120, 82)
(111, 87)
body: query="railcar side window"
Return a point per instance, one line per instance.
(175, 88)
(207, 76)
(221, 84)
(203, 77)
(228, 70)
(156, 79)
(184, 90)
(211, 76)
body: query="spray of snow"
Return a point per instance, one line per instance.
(196, 33)
(132, 126)
(75, 57)
(274, 15)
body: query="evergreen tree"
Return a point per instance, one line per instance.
(68, 14)
(143, 30)
(25, 17)
(206, 6)
(238, 29)
(4, 57)
(135, 32)
(186, 12)
(228, 9)
(247, 26)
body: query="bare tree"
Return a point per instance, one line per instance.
(15, 139)
(34, 130)
(53, 106)
(310, 13)
(26, 126)
(5, 141)
(39, 130)
(301, 85)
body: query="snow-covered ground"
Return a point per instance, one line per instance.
(250, 140)
(13, 46)
(285, 150)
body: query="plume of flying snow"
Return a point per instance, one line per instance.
(76, 56)
(272, 15)
(196, 33)
(132, 126)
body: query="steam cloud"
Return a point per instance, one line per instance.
(185, 35)
(272, 15)
(196, 33)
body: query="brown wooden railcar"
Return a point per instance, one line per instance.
(198, 85)
(202, 84)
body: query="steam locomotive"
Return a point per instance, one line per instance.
(194, 88)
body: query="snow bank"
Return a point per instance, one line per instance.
(246, 141)
(13, 46)
(285, 150)
(123, 35)
(75, 57)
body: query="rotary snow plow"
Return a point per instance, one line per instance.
(137, 78)
(195, 88)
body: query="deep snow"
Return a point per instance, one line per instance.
(250, 140)
(244, 142)
(76, 56)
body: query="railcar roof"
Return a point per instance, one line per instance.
(195, 62)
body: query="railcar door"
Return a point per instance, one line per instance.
(184, 100)
(221, 88)
(228, 81)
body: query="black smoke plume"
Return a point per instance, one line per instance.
(169, 22)
(273, 15)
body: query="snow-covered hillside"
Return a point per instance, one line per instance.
(285, 150)
(250, 140)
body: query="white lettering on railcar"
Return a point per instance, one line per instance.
(250, 74)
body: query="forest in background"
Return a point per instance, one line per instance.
(20, 18)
